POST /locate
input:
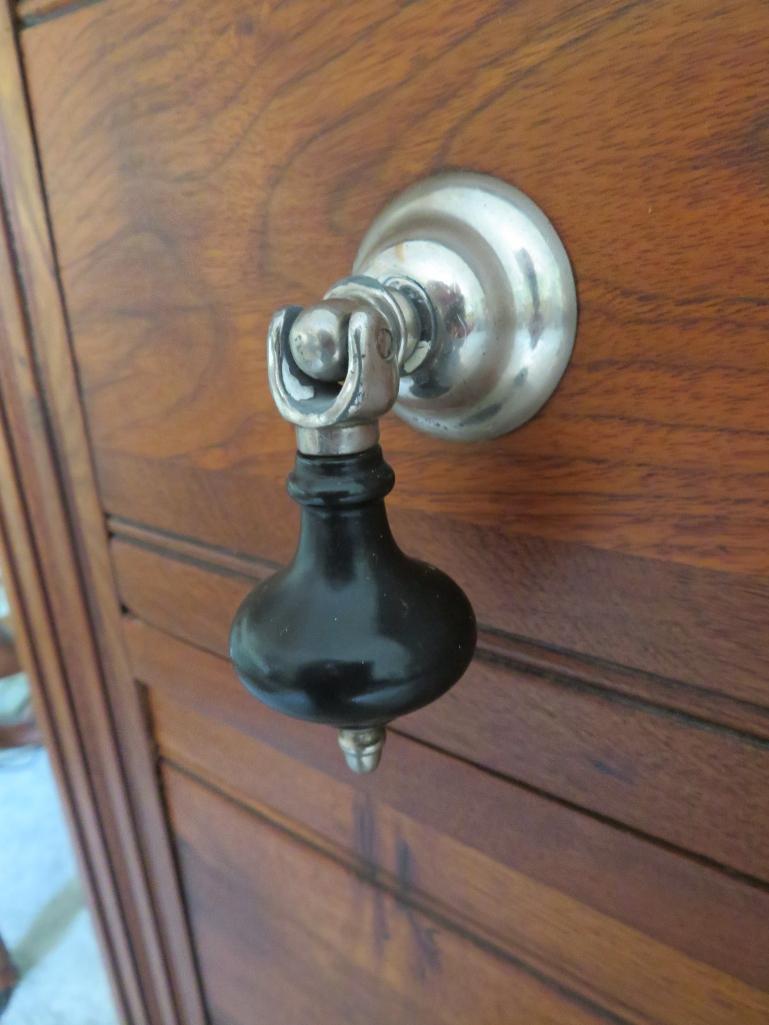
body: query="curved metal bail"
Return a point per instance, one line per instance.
(332, 417)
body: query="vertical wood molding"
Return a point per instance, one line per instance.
(61, 573)
(41, 659)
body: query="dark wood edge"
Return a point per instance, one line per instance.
(62, 579)
(219, 559)
(33, 12)
(519, 653)
(53, 712)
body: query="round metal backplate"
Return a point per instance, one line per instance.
(503, 294)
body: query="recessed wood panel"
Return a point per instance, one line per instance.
(703, 912)
(283, 929)
(597, 966)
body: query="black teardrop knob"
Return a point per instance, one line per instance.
(353, 633)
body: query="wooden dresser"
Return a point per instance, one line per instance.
(578, 833)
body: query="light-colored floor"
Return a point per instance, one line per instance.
(43, 919)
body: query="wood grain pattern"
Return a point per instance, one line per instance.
(63, 581)
(236, 849)
(479, 865)
(586, 828)
(699, 627)
(327, 947)
(166, 579)
(182, 224)
(672, 776)
(694, 788)
(34, 587)
(561, 915)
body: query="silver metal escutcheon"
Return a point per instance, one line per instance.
(461, 314)
(503, 296)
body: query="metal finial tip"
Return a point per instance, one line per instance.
(362, 749)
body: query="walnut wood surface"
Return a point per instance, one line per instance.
(35, 587)
(65, 603)
(672, 776)
(202, 720)
(165, 579)
(328, 947)
(241, 167)
(239, 170)
(584, 818)
(575, 897)
(664, 619)
(316, 941)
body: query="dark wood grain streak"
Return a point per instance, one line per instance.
(481, 863)
(33, 12)
(247, 867)
(331, 945)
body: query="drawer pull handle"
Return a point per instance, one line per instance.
(460, 315)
